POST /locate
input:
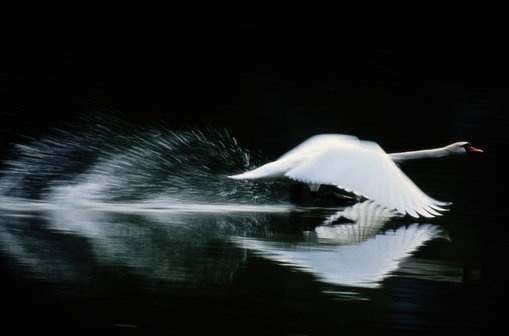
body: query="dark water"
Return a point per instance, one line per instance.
(116, 213)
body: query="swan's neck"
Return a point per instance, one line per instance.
(420, 154)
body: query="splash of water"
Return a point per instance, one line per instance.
(103, 160)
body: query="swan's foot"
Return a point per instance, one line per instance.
(332, 194)
(324, 196)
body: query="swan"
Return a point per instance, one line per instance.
(360, 167)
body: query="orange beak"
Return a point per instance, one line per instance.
(472, 149)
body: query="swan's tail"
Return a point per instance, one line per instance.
(247, 175)
(268, 170)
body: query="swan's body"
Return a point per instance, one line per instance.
(360, 167)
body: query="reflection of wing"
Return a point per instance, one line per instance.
(368, 218)
(360, 265)
(360, 167)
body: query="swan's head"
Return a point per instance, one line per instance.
(462, 148)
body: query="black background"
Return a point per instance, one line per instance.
(264, 80)
(274, 83)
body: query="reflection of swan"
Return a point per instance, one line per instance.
(360, 167)
(358, 265)
(355, 254)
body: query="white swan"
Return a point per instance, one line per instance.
(360, 167)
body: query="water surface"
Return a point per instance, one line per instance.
(144, 232)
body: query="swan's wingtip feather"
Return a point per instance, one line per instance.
(236, 177)
(431, 211)
(441, 203)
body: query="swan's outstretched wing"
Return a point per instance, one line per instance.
(321, 142)
(364, 169)
(307, 150)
